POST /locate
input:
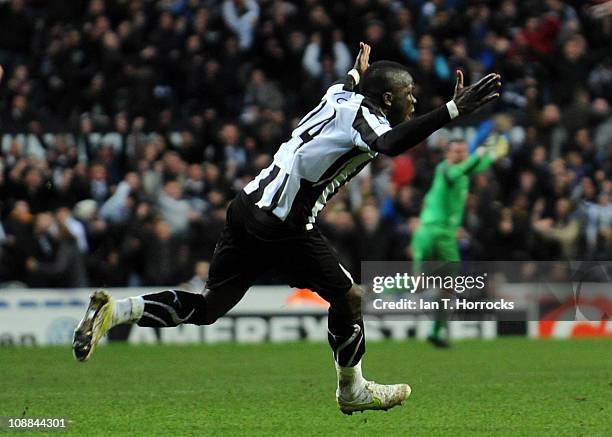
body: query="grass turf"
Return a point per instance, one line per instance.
(501, 387)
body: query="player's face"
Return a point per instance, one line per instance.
(457, 152)
(403, 103)
(411, 101)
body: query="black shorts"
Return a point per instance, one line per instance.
(247, 248)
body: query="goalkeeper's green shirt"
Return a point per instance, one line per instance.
(445, 200)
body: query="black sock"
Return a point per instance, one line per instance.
(172, 308)
(346, 339)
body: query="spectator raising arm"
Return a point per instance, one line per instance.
(241, 21)
(342, 55)
(310, 61)
(115, 209)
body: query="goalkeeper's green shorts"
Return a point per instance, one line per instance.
(435, 243)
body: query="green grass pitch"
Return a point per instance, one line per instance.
(501, 387)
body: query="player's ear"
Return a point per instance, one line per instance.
(387, 99)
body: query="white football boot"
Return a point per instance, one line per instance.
(96, 322)
(375, 397)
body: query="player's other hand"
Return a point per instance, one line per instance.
(363, 58)
(469, 98)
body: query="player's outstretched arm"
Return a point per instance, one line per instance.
(495, 147)
(465, 100)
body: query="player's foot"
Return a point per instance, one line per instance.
(375, 397)
(439, 342)
(95, 323)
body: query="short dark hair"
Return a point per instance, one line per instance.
(383, 76)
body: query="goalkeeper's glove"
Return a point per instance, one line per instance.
(496, 146)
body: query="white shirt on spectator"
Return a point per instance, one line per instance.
(174, 212)
(77, 229)
(312, 62)
(114, 210)
(244, 24)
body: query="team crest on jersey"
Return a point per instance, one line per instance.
(343, 97)
(382, 120)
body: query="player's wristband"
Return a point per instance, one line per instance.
(453, 111)
(355, 75)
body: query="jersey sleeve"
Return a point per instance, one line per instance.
(483, 165)
(367, 128)
(453, 171)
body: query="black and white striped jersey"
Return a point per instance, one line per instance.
(331, 144)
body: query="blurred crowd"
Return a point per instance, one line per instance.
(126, 126)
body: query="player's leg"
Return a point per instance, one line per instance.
(446, 250)
(233, 270)
(423, 245)
(164, 309)
(312, 264)
(346, 337)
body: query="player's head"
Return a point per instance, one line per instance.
(390, 85)
(456, 151)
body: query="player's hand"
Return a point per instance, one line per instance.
(1, 71)
(363, 58)
(469, 98)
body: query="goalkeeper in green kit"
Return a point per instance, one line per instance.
(435, 239)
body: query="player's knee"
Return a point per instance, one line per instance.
(209, 317)
(213, 308)
(355, 295)
(349, 304)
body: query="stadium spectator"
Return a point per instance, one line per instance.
(198, 282)
(323, 69)
(375, 241)
(166, 257)
(174, 209)
(562, 229)
(241, 17)
(58, 262)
